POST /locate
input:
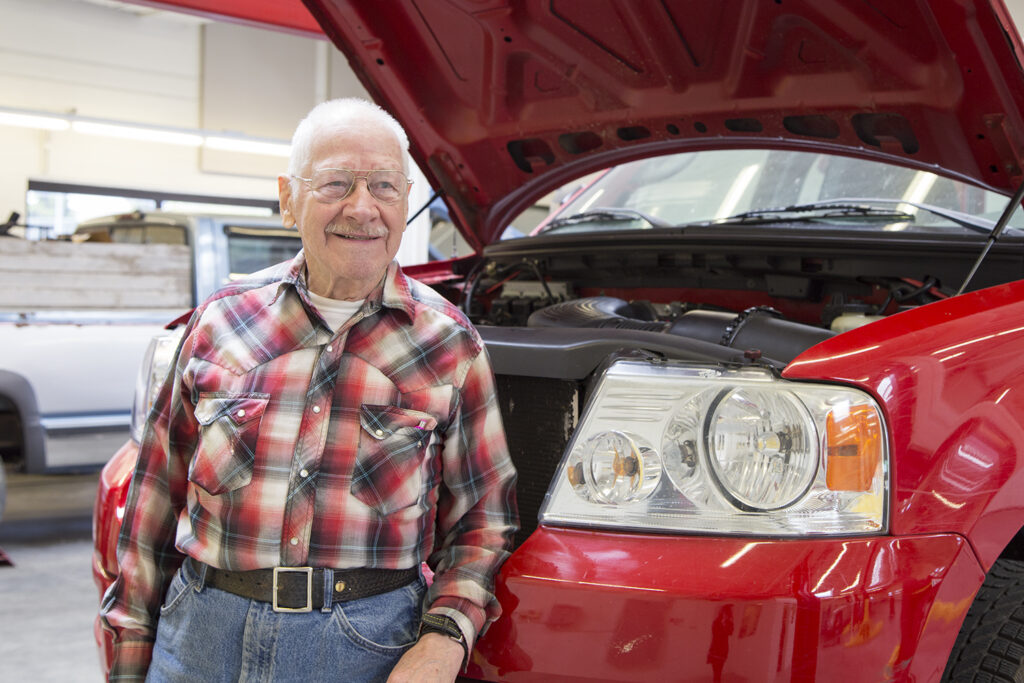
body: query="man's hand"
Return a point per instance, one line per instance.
(436, 658)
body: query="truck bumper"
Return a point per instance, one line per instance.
(597, 606)
(115, 478)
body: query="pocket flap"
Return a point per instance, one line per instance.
(381, 422)
(240, 408)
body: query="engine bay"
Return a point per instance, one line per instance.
(773, 315)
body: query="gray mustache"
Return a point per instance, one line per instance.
(356, 232)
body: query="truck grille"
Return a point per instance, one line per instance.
(540, 415)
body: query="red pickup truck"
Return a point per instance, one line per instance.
(762, 369)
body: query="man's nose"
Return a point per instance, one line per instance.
(360, 196)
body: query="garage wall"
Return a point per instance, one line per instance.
(70, 56)
(275, 74)
(135, 64)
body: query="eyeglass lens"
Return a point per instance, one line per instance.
(334, 184)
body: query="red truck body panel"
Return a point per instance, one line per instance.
(949, 377)
(600, 607)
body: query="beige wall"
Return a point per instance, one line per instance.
(135, 64)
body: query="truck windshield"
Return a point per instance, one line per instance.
(252, 249)
(769, 187)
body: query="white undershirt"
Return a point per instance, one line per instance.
(334, 311)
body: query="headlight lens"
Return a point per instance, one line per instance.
(761, 447)
(152, 373)
(679, 447)
(614, 467)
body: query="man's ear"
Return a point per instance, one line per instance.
(284, 194)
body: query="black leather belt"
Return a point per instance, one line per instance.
(301, 589)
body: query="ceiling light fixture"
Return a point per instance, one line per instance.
(252, 146)
(26, 120)
(191, 137)
(144, 134)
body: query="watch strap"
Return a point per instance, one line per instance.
(445, 625)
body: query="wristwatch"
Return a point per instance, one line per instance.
(445, 625)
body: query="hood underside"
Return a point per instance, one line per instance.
(504, 100)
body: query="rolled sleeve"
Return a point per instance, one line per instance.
(477, 516)
(147, 556)
(131, 660)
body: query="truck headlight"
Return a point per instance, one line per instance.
(613, 467)
(152, 373)
(683, 448)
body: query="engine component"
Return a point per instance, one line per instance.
(595, 311)
(760, 328)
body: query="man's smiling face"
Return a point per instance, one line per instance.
(348, 243)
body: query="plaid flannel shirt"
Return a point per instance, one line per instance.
(275, 442)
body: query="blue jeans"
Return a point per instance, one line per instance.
(205, 634)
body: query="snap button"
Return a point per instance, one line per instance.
(294, 541)
(241, 412)
(339, 586)
(379, 432)
(303, 473)
(329, 348)
(316, 409)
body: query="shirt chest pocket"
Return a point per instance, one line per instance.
(392, 441)
(228, 433)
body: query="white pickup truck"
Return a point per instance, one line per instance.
(76, 318)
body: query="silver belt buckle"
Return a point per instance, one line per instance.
(308, 571)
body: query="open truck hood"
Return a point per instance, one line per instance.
(505, 100)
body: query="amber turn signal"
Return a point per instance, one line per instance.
(853, 439)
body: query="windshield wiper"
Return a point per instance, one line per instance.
(851, 207)
(607, 214)
(816, 212)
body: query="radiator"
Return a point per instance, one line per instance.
(540, 415)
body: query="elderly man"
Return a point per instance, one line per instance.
(329, 425)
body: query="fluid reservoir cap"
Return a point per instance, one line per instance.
(851, 320)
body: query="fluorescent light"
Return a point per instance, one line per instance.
(137, 133)
(189, 137)
(33, 121)
(205, 207)
(229, 144)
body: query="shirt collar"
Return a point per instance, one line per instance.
(395, 292)
(392, 291)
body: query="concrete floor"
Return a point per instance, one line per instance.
(47, 598)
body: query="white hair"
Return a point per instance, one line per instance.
(349, 113)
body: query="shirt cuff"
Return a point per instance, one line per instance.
(131, 660)
(469, 631)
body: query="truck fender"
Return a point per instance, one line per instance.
(17, 389)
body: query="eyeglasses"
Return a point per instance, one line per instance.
(330, 185)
